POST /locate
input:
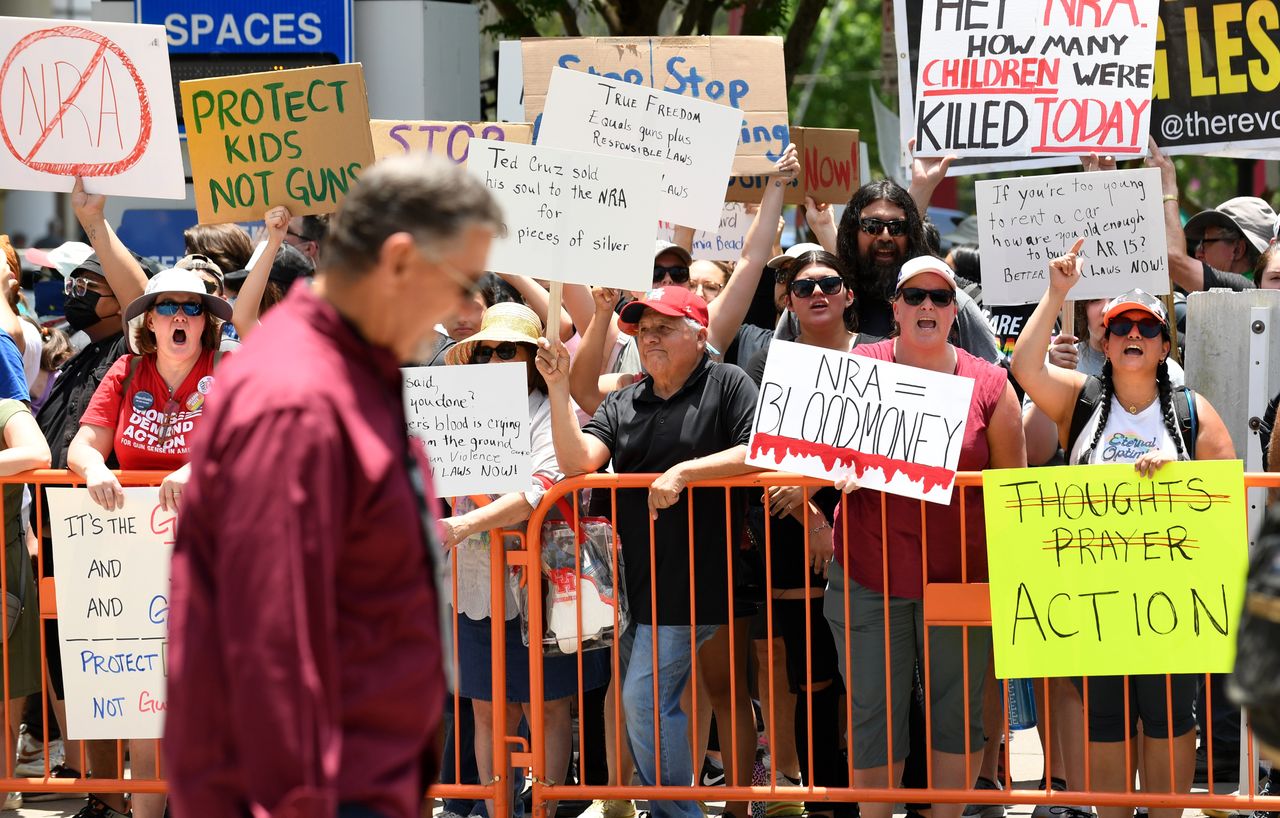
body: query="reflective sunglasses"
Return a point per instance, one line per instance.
(914, 296)
(170, 308)
(1147, 327)
(803, 287)
(505, 352)
(77, 286)
(679, 274)
(873, 227)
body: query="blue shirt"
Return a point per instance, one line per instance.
(13, 382)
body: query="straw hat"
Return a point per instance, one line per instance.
(502, 322)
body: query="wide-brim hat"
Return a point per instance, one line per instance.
(173, 281)
(1135, 299)
(1248, 215)
(502, 322)
(66, 258)
(925, 264)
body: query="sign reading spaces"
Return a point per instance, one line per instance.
(449, 139)
(827, 414)
(1037, 78)
(112, 589)
(474, 420)
(91, 100)
(691, 139)
(575, 217)
(1097, 571)
(232, 27)
(1025, 222)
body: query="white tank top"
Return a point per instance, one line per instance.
(1126, 437)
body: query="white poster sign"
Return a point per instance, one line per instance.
(112, 588)
(693, 140)
(88, 99)
(474, 420)
(828, 414)
(510, 82)
(1025, 222)
(724, 244)
(575, 217)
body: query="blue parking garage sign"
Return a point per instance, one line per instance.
(243, 27)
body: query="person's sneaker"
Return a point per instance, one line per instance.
(1265, 789)
(784, 809)
(60, 771)
(30, 762)
(612, 808)
(12, 802)
(985, 810)
(95, 808)
(1046, 810)
(1070, 812)
(712, 773)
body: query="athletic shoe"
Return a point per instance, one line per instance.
(1265, 788)
(985, 810)
(1047, 810)
(1071, 812)
(12, 801)
(95, 808)
(30, 762)
(784, 809)
(612, 808)
(712, 773)
(60, 771)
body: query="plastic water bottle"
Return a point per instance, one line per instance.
(1022, 704)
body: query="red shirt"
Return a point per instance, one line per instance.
(863, 552)
(154, 430)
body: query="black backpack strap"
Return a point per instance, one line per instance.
(1184, 406)
(1086, 404)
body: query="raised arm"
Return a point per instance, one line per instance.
(926, 174)
(122, 271)
(248, 306)
(586, 384)
(1187, 272)
(822, 223)
(576, 451)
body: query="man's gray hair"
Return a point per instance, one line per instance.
(426, 196)
(693, 325)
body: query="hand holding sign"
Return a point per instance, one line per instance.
(553, 363)
(87, 206)
(1064, 271)
(788, 166)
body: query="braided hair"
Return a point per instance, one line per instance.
(1108, 389)
(1166, 408)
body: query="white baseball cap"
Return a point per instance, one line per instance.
(925, 264)
(796, 251)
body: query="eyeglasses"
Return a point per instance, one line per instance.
(679, 274)
(1147, 327)
(170, 308)
(78, 286)
(1208, 240)
(505, 352)
(873, 227)
(301, 238)
(914, 296)
(803, 287)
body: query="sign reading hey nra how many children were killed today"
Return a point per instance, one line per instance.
(475, 423)
(1041, 77)
(295, 138)
(746, 73)
(112, 590)
(575, 217)
(829, 169)
(392, 137)
(828, 414)
(1025, 222)
(87, 99)
(692, 140)
(1097, 571)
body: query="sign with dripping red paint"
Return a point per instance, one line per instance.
(87, 99)
(828, 414)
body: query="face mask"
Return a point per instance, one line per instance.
(82, 310)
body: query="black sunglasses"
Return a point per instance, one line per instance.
(679, 274)
(170, 308)
(914, 296)
(505, 352)
(803, 287)
(1147, 327)
(873, 227)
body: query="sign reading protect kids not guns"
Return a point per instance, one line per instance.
(93, 100)
(112, 589)
(827, 414)
(1097, 571)
(296, 138)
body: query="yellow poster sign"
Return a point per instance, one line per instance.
(1098, 571)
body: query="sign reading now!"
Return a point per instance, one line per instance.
(829, 170)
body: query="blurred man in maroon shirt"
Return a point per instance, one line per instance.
(306, 674)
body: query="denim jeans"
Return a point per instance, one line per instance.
(674, 661)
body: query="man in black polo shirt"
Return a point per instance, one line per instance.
(689, 420)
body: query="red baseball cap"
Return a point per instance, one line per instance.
(677, 302)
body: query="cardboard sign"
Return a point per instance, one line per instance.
(746, 73)
(112, 590)
(87, 99)
(296, 138)
(475, 423)
(827, 414)
(724, 244)
(691, 140)
(1023, 223)
(393, 137)
(576, 217)
(830, 170)
(1097, 571)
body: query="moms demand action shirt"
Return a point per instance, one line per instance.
(153, 429)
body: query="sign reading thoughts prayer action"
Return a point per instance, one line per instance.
(295, 138)
(827, 414)
(997, 78)
(452, 140)
(1025, 222)
(570, 216)
(1097, 571)
(87, 99)
(112, 589)
(475, 423)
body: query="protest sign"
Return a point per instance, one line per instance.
(1097, 571)
(296, 138)
(824, 413)
(746, 73)
(112, 590)
(830, 170)
(1025, 222)
(93, 100)
(393, 137)
(724, 244)
(691, 140)
(475, 423)
(576, 217)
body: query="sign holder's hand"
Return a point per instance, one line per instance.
(1168, 172)
(104, 488)
(1063, 353)
(788, 165)
(1093, 162)
(172, 487)
(88, 207)
(665, 491)
(1064, 271)
(821, 219)
(553, 363)
(1148, 464)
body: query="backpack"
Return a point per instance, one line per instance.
(1184, 407)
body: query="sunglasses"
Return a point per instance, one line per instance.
(804, 287)
(914, 296)
(873, 227)
(679, 274)
(505, 352)
(1147, 327)
(170, 308)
